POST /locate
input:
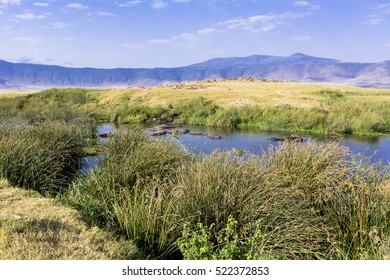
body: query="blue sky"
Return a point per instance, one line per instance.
(169, 33)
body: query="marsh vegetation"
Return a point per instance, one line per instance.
(295, 201)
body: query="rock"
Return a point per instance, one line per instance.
(214, 136)
(291, 138)
(159, 132)
(197, 133)
(177, 132)
(106, 135)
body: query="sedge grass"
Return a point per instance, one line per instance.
(306, 201)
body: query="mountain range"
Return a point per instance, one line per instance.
(297, 67)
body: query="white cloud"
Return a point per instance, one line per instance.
(159, 41)
(263, 23)
(31, 40)
(301, 38)
(181, 1)
(385, 8)
(58, 25)
(102, 14)
(373, 20)
(132, 3)
(257, 23)
(29, 15)
(5, 3)
(41, 4)
(10, 2)
(306, 4)
(77, 6)
(159, 5)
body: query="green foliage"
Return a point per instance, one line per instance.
(239, 152)
(195, 112)
(138, 114)
(197, 244)
(129, 190)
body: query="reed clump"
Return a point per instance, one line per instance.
(296, 201)
(42, 157)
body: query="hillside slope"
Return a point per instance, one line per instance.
(297, 67)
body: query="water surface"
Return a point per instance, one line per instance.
(256, 142)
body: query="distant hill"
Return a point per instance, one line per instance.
(297, 67)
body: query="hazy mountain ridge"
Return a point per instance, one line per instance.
(298, 67)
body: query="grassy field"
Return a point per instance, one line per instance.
(296, 201)
(239, 92)
(12, 93)
(244, 102)
(36, 228)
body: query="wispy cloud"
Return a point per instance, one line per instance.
(29, 16)
(373, 20)
(30, 40)
(181, 1)
(132, 3)
(301, 38)
(102, 14)
(305, 4)
(264, 23)
(10, 2)
(58, 25)
(257, 23)
(159, 5)
(5, 3)
(160, 41)
(77, 6)
(385, 8)
(41, 4)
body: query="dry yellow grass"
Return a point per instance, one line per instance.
(10, 93)
(228, 93)
(33, 228)
(236, 92)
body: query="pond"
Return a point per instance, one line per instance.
(256, 141)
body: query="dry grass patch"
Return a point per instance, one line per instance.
(33, 227)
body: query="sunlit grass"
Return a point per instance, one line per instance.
(36, 228)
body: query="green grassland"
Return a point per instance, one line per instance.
(296, 201)
(244, 102)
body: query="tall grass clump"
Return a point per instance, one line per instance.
(195, 112)
(359, 117)
(42, 157)
(296, 201)
(218, 188)
(130, 188)
(345, 192)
